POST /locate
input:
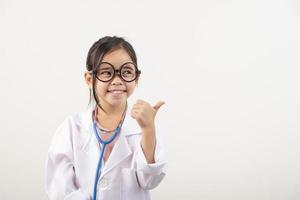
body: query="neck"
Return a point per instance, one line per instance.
(112, 111)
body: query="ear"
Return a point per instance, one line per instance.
(88, 79)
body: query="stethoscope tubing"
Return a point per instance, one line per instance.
(99, 165)
(103, 143)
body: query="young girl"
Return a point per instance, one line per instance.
(111, 151)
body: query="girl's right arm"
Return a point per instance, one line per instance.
(60, 174)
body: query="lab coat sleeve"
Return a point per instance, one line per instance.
(150, 175)
(60, 174)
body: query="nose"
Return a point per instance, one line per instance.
(117, 80)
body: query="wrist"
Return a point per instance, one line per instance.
(148, 129)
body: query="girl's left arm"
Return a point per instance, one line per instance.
(150, 153)
(150, 174)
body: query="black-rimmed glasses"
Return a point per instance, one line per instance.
(106, 72)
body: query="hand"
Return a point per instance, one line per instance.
(145, 114)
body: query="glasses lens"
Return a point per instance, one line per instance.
(105, 72)
(128, 72)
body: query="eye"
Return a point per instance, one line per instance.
(127, 71)
(105, 73)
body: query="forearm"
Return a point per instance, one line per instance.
(148, 143)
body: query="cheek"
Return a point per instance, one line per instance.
(130, 88)
(101, 88)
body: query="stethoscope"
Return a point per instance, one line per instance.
(104, 143)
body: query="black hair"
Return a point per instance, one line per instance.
(98, 50)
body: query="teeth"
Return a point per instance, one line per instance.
(116, 92)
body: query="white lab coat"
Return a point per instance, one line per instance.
(73, 156)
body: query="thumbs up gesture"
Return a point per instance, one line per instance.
(145, 114)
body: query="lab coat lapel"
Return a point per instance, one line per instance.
(120, 151)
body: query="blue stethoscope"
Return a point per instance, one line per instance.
(104, 143)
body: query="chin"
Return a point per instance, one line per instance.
(117, 102)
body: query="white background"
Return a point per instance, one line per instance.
(228, 71)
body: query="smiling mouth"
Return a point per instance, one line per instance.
(116, 91)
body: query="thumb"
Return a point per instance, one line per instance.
(158, 105)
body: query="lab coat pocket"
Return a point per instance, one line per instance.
(130, 186)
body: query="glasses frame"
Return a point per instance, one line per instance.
(117, 72)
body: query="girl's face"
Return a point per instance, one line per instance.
(115, 92)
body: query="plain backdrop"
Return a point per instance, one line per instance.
(228, 71)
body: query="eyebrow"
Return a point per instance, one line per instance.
(125, 67)
(128, 67)
(104, 68)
